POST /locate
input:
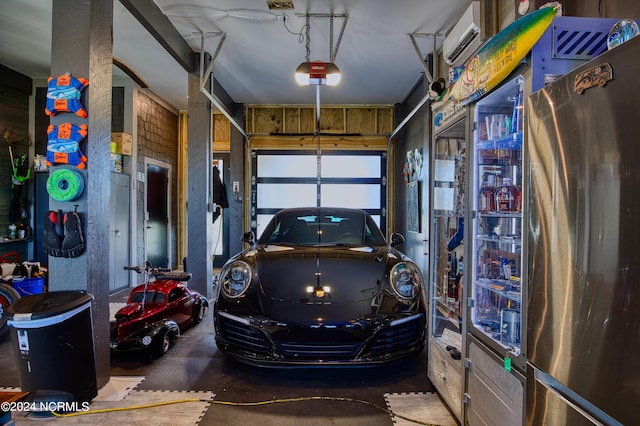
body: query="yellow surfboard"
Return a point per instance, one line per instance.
(500, 55)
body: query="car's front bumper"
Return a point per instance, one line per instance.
(126, 345)
(142, 338)
(368, 341)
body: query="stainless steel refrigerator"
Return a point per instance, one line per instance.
(583, 309)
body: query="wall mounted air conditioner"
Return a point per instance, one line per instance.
(464, 38)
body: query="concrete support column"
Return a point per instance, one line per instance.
(199, 187)
(82, 45)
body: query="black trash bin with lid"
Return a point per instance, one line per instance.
(52, 336)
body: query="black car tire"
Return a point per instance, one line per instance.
(161, 344)
(198, 313)
(8, 295)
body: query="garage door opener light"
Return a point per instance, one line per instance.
(316, 72)
(320, 73)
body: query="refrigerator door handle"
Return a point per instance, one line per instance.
(572, 399)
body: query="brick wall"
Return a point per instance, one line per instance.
(157, 139)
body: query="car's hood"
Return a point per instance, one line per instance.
(135, 310)
(319, 284)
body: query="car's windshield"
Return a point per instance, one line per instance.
(322, 227)
(152, 297)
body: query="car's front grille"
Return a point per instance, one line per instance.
(320, 350)
(396, 337)
(242, 335)
(328, 344)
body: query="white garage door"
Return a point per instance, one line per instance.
(299, 179)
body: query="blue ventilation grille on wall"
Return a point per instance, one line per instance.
(578, 44)
(568, 43)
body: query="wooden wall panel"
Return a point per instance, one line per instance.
(268, 120)
(360, 120)
(603, 8)
(221, 133)
(384, 121)
(307, 120)
(291, 120)
(221, 128)
(332, 120)
(327, 142)
(364, 120)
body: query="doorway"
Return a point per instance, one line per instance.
(120, 232)
(157, 213)
(221, 222)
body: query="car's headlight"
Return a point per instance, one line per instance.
(406, 280)
(235, 279)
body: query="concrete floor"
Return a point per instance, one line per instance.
(195, 364)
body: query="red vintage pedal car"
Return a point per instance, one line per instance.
(156, 312)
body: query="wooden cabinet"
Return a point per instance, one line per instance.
(494, 395)
(446, 375)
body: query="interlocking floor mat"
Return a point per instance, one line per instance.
(118, 404)
(425, 407)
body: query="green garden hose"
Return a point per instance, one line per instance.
(65, 185)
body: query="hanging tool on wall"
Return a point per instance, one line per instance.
(21, 172)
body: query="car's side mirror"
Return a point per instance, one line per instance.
(249, 238)
(396, 239)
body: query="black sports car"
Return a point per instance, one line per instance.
(320, 287)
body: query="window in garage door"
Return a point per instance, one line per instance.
(297, 179)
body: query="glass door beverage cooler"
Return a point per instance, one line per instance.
(497, 272)
(446, 279)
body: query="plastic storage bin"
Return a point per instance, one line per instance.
(52, 336)
(28, 286)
